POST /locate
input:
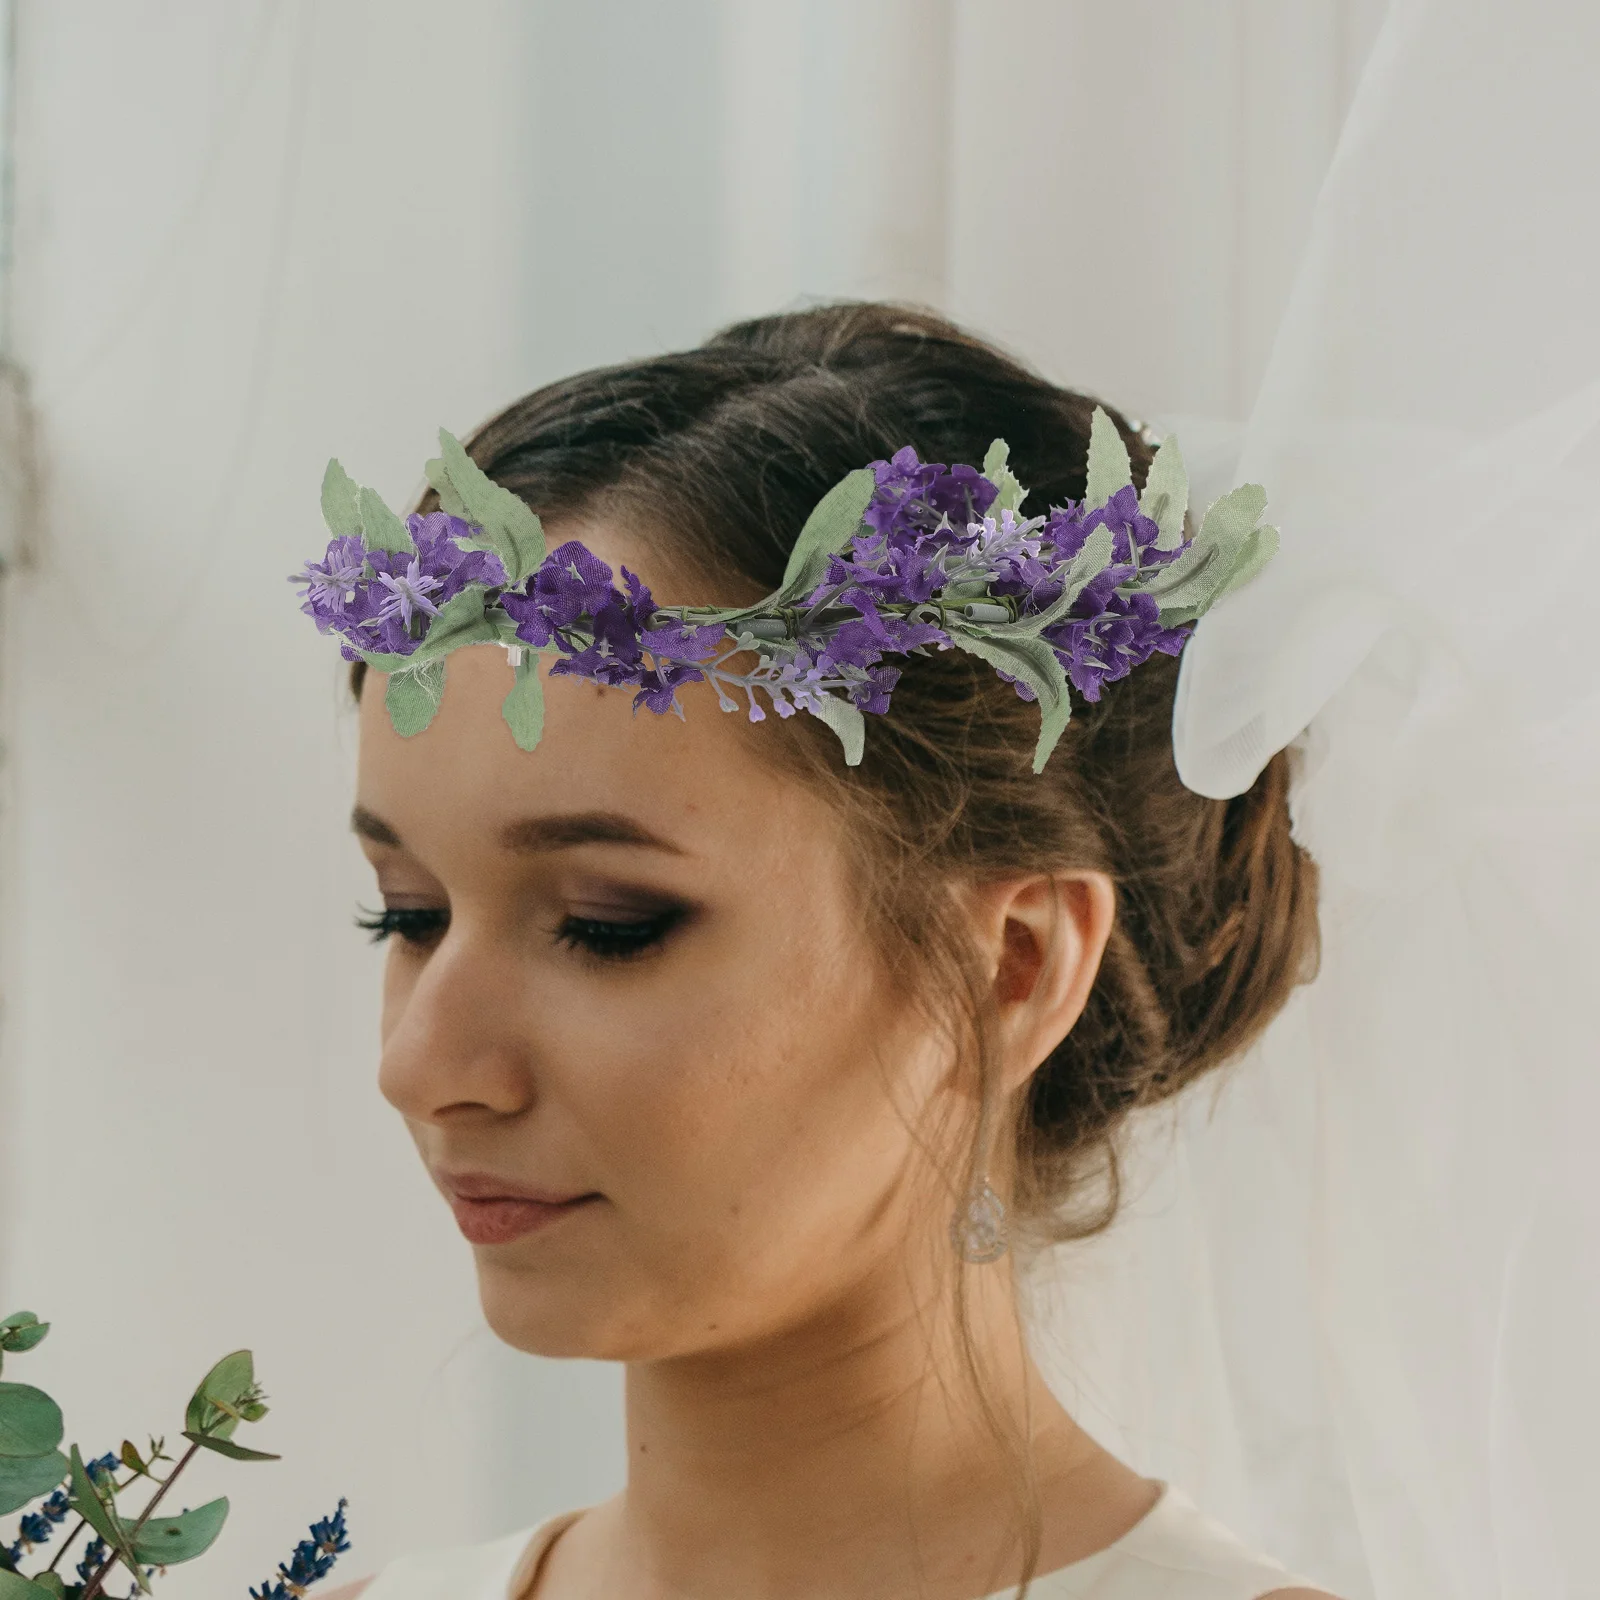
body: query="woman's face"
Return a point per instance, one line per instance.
(632, 1019)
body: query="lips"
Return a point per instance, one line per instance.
(489, 1210)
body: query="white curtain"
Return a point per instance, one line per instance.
(255, 235)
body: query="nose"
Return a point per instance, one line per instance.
(452, 1046)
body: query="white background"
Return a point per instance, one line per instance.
(251, 235)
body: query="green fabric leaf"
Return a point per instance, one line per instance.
(26, 1478)
(523, 707)
(380, 527)
(165, 1541)
(461, 621)
(1166, 495)
(30, 1421)
(829, 529)
(1035, 663)
(1088, 564)
(847, 721)
(1003, 478)
(13, 1586)
(449, 500)
(341, 509)
(1109, 466)
(509, 527)
(1229, 549)
(412, 698)
(226, 1447)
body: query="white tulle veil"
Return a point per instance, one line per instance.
(1354, 1304)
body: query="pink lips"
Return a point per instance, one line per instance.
(488, 1210)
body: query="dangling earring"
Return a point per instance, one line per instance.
(978, 1229)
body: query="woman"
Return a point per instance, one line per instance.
(742, 1066)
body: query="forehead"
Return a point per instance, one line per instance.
(699, 781)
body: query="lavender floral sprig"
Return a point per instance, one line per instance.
(312, 1560)
(902, 557)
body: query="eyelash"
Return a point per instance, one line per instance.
(605, 941)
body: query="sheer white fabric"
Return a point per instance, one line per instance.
(1408, 1155)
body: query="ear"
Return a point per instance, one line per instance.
(1047, 936)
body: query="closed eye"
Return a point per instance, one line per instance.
(420, 925)
(618, 940)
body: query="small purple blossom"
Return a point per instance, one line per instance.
(313, 1559)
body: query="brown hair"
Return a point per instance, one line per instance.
(720, 453)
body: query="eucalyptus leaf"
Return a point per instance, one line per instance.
(52, 1583)
(847, 721)
(226, 1447)
(165, 1541)
(412, 697)
(341, 508)
(99, 1511)
(1166, 495)
(833, 523)
(449, 501)
(30, 1421)
(1011, 493)
(1109, 466)
(380, 527)
(214, 1405)
(25, 1478)
(523, 706)
(22, 1331)
(13, 1586)
(508, 525)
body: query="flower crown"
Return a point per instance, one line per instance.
(900, 557)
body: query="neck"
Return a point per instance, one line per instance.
(849, 1454)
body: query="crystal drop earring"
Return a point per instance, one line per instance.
(978, 1229)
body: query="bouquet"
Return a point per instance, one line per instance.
(34, 1473)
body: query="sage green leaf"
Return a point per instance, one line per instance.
(508, 526)
(1036, 664)
(1087, 565)
(847, 721)
(226, 1447)
(22, 1331)
(98, 1509)
(413, 697)
(1109, 466)
(30, 1421)
(1003, 478)
(165, 1541)
(833, 523)
(1166, 495)
(26, 1478)
(1229, 548)
(341, 508)
(13, 1586)
(51, 1583)
(380, 527)
(523, 707)
(460, 622)
(449, 500)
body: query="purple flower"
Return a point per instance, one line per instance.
(914, 497)
(570, 583)
(1102, 648)
(408, 589)
(331, 583)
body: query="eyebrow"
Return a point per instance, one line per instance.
(535, 835)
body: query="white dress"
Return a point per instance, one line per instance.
(1173, 1553)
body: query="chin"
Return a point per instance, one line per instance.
(560, 1317)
